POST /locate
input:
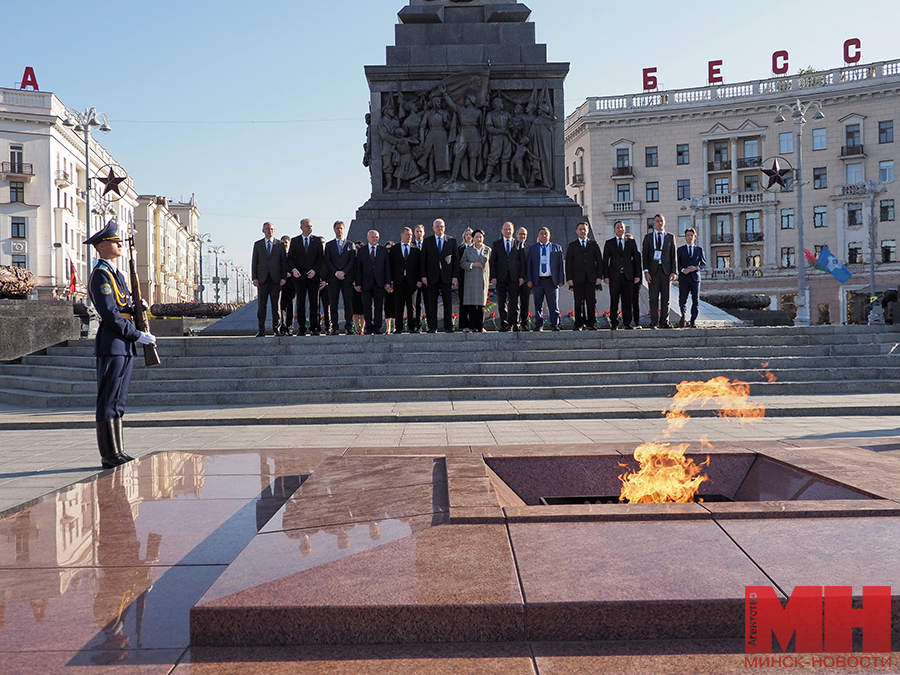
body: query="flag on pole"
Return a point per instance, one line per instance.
(833, 266)
(812, 261)
(72, 278)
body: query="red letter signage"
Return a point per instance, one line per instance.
(856, 56)
(874, 617)
(650, 80)
(715, 76)
(780, 62)
(29, 79)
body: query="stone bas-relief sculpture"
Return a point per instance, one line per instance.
(465, 135)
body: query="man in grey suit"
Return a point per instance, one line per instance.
(269, 274)
(658, 256)
(340, 257)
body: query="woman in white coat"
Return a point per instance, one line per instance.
(475, 265)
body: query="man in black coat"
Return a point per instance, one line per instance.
(268, 269)
(690, 261)
(419, 243)
(524, 291)
(622, 264)
(440, 272)
(287, 294)
(584, 272)
(372, 278)
(658, 255)
(340, 258)
(306, 260)
(406, 268)
(507, 266)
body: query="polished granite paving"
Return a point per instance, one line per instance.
(418, 560)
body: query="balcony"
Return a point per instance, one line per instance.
(624, 207)
(721, 238)
(578, 180)
(724, 165)
(63, 179)
(740, 198)
(852, 150)
(749, 162)
(719, 274)
(751, 237)
(622, 172)
(16, 171)
(855, 190)
(752, 272)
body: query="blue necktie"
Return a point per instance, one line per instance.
(269, 246)
(543, 258)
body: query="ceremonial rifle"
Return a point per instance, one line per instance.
(151, 356)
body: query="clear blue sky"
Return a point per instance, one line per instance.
(257, 108)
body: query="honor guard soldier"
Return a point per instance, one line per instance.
(114, 346)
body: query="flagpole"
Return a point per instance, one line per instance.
(872, 189)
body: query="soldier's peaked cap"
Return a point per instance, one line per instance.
(109, 233)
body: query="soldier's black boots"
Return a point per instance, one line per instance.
(106, 441)
(120, 445)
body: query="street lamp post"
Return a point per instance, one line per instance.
(217, 250)
(797, 112)
(84, 122)
(199, 240)
(227, 264)
(872, 189)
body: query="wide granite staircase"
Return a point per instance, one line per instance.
(238, 371)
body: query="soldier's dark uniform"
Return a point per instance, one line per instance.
(114, 348)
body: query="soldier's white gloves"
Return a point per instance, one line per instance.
(147, 339)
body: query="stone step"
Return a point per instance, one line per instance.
(192, 400)
(216, 371)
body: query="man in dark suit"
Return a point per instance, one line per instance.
(268, 271)
(622, 263)
(306, 260)
(545, 270)
(372, 278)
(507, 265)
(406, 266)
(440, 272)
(462, 314)
(419, 243)
(340, 258)
(690, 261)
(524, 291)
(584, 272)
(658, 255)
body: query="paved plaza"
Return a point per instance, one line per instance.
(101, 575)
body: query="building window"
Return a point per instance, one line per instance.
(751, 183)
(653, 192)
(683, 154)
(568, 178)
(16, 191)
(818, 250)
(820, 178)
(853, 135)
(819, 140)
(788, 182)
(650, 224)
(886, 132)
(684, 222)
(651, 156)
(751, 149)
(787, 219)
(18, 261)
(18, 228)
(16, 157)
(721, 186)
(853, 174)
(786, 142)
(720, 151)
(886, 171)
(752, 230)
(889, 250)
(754, 258)
(854, 214)
(622, 158)
(820, 216)
(723, 260)
(788, 257)
(854, 253)
(887, 209)
(684, 189)
(723, 229)
(623, 193)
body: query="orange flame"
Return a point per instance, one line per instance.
(665, 474)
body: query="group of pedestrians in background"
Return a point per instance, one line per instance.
(384, 288)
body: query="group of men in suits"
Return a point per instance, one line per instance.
(425, 270)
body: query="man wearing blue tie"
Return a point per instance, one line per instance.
(546, 274)
(690, 261)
